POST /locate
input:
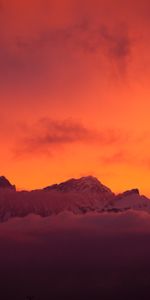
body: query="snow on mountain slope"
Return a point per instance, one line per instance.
(88, 185)
(129, 200)
(76, 195)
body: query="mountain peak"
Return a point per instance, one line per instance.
(81, 195)
(88, 179)
(89, 184)
(4, 183)
(129, 193)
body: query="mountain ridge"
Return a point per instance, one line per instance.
(89, 180)
(79, 196)
(5, 183)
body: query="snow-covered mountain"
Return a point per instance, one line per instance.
(129, 200)
(76, 195)
(85, 185)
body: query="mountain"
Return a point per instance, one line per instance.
(79, 196)
(129, 200)
(4, 183)
(87, 185)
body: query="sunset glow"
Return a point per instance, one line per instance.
(75, 92)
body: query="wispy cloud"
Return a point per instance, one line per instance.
(126, 157)
(118, 157)
(48, 134)
(114, 43)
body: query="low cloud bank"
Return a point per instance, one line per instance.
(76, 257)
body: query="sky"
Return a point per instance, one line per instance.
(74, 92)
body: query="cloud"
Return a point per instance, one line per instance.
(48, 134)
(119, 157)
(39, 52)
(114, 43)
(67, 256)
(28, 50)
(118, 43)
(126, 157)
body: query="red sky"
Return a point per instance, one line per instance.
(74, 92)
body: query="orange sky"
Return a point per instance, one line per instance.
(75, 92)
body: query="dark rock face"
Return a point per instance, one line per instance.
(51, 187)
(128, 193)
(131, 192)
(5, 184)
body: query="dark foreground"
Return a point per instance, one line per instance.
(69, 257)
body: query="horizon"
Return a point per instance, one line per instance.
(68, 179)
